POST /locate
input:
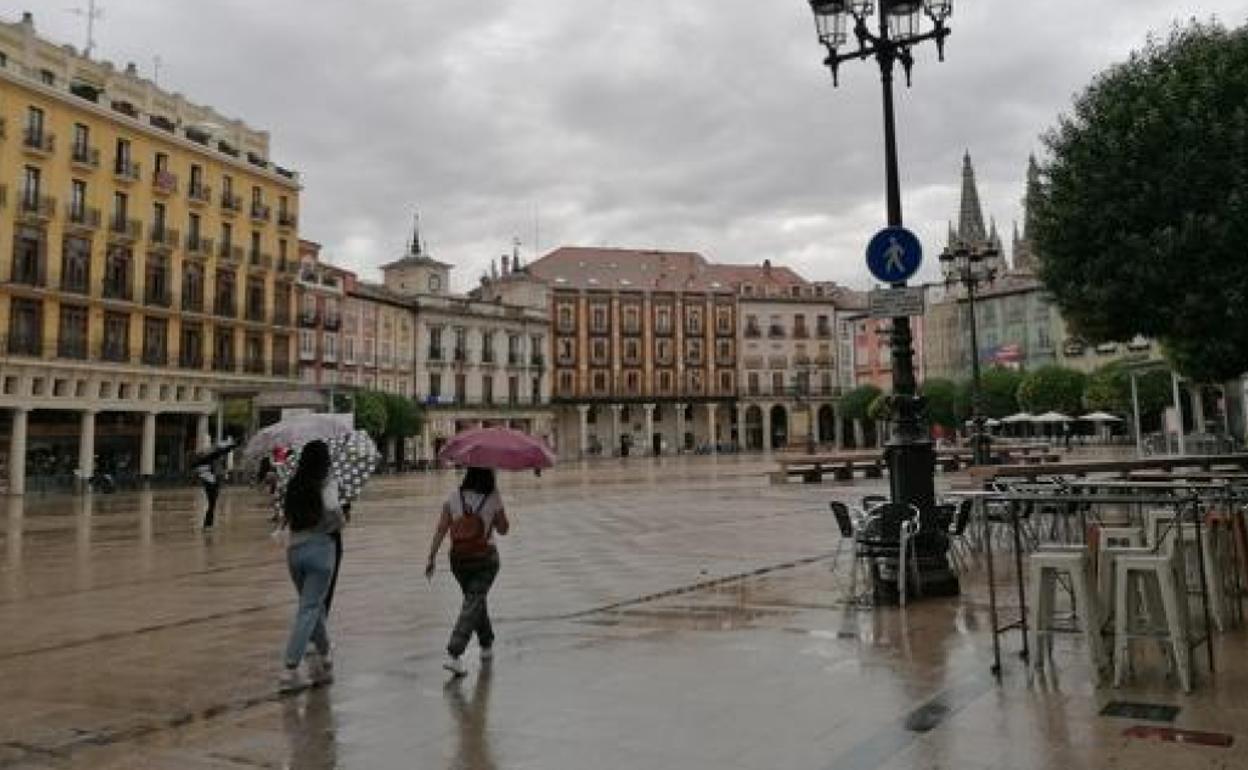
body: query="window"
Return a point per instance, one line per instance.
(197, 180)
(122, 163)
(155, 341)
(48, 77)
(694, 349)
(117, 278)
(158, 221)
(192, 287)
(76, 264)
(72, 337)
(34, 126)
(777, 383)
(632, 319)
(536, 344)
(28, 256)
(191, 348)
(487, 388)
(725, 382)
(370, 357)
(81, 147)
(723, 352)
(192, 231)
(461, 388)
(567, 350)
(30, 188)
(799, 326)
(329, 347)
(78, 200)
(566, 386)
(162, 163)
(255, 245)
(632, 351)
(693, 317)
(665, 382)
(599, 319)
(487, 346)
(723, 320)
(227, 185)
(599, 352)
(156, 283)
(537, 390)
(599, 382)
(223, 349)
(663, 320)
(663, 351)
(632, 383)
(116, 345)
(307, 344)
(752, 379)
(348, 348)
(227, 236)
(565, 318)
(435, 385)
(25, 326)
(435, 284)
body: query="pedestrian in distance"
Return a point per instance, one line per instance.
(471, 515)
(209, 473)
(313, 514)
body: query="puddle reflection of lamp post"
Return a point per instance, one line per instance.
(971, 267)
(888, 35)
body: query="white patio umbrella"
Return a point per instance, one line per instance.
(1100, 417)
(1019, 417)
(1052, 417)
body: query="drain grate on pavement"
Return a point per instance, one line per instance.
(1150, 712)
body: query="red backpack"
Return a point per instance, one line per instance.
(469, 536)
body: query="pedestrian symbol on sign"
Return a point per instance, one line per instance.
(894, 255)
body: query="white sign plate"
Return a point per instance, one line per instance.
(896, 303)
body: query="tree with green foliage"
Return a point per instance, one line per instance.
(880, 408)
(1109, 390)
(1052, 389)
(856, 404)
(1140, 216)
(370, 413)
(403, 417)
(998, 391)
(944, 402)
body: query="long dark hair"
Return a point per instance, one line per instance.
(479, 480)
(303, 506)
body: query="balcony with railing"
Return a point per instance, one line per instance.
(190, 359)
(117, 287)
(199, 194)
(775, 332)
(39, 142)
(164, 182)
(122, 230)
(192, 300)
(823, 330)
(309, 316)
(230, 253)
(24, 343)
(126, 170)
(460, 355)
(163, 239)
(538, 360)
(223, 305)
(332, 322)
(72, 346)
(287, 220)
(800, 332)
(84, 157)
(157, 294)
(287, 266)
(36, 208)
(230, 204)
(259, 260)
(197, 246)
(82, 218)
(115, 349)
(260, 212)
(155, 355)
(28, 269)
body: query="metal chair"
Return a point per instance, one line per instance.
(848, 523)
(885, 537)
(958, 540)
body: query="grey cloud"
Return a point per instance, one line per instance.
(701, 125)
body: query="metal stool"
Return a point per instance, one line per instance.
(1157, 575)
(1047, 565)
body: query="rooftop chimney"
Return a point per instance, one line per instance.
(28, 19)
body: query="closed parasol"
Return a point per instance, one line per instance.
(497, 448)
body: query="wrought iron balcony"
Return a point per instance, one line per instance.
(85, 157)
(260, 212)
(199, 194)
(117, 288)
(231, 204)
(158, 297)
(82, 218)
(165, 182)
(122, 230)
(192, 301)
(126, 170)
(163, 238)
(287, 220)
(198, 247)
(39, 142)
(28, 270)
(33, 207)
(230, 252)
(260, 260)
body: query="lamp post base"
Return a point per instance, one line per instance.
(912, 465)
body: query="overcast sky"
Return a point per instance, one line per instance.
(708, 125)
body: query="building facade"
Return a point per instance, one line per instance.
(480, 359)
(147, 264)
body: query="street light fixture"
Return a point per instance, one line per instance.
(972, 266)
(887, 33)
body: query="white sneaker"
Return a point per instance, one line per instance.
(320, 667)
(454, 665)
(291, 680)
(487, 654)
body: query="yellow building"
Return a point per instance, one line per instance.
(148, 252)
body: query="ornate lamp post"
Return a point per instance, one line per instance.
(887, 34)
(971, 267)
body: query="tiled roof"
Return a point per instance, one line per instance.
(579, 267)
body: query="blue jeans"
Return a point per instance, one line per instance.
(311, 566)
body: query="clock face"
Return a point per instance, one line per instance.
(435, 283)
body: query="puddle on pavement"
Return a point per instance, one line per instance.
(690, 617)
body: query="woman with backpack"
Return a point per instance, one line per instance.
(471, 515)
(313, 513)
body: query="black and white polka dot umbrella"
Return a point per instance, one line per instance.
(352, 460)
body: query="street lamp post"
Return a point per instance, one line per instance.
(910, 456)
(970, 267)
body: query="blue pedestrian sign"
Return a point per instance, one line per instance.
(894, 254)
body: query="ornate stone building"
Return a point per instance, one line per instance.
(147, 265)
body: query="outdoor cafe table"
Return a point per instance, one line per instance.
(1187, 500)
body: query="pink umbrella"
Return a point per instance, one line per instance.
(499, 448)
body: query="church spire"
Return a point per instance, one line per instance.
(1024, 254)
(970, 213)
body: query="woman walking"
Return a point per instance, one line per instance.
(471, 514)
(313, 513)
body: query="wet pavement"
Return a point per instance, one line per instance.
(674, 614)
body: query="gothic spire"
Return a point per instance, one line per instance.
(970, 213)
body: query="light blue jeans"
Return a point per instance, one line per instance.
(311, 566)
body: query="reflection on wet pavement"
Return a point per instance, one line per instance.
(673, 614)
